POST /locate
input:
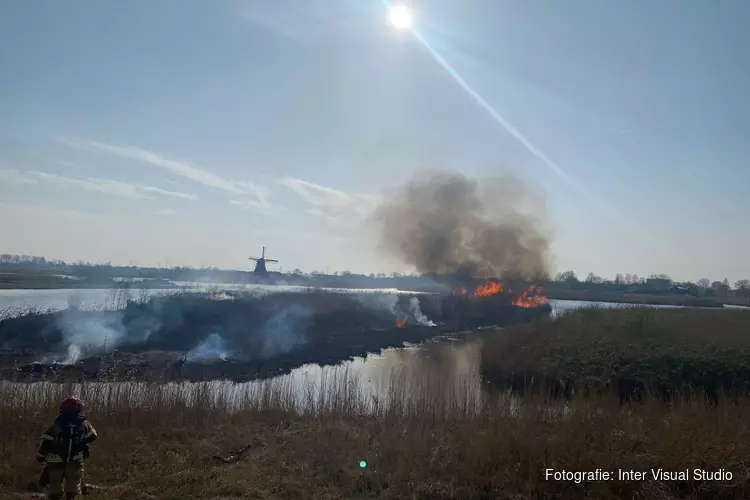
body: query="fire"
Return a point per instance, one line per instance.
(489, 288)
(401, 323)
(459, 290)
(532, 297)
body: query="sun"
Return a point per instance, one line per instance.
(400, 16)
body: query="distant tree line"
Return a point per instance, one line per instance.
(29, 261)
(105, 273)
(655, 283)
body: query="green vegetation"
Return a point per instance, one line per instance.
(630, 349)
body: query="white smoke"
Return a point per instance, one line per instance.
(95, 332)
(389, 302)
(214, 347)
(74, 354)
(415, 310)
(380, 301)
(285, 330)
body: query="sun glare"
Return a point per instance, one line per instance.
(400, 16)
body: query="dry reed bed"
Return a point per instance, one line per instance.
(418, 444)
(632, 350)
(427, 437)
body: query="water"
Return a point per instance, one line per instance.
(109, 298)
(435, 373)
(444, 370)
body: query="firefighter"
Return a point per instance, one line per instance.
(64, 447)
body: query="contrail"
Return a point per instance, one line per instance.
(510, 128)
(505, 123)
(635, 232)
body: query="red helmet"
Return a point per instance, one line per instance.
(71, 405)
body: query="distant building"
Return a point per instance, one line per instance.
(659, 284)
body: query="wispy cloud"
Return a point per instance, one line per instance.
(111, 187)
(259, 193)
(329, 202)
(15, 177)
(248, 204)
(107, 186)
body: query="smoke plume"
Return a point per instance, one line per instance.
(214, 347)
(416, 311)
(83, 331)
(447, 224)
(285, 330)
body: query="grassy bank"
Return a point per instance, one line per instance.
(417, 445)
(630, 350)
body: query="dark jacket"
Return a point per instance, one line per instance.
(67, 439)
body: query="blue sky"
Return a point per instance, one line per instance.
(198, 131)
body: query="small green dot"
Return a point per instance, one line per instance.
(362, 464)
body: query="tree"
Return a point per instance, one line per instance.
(297, 272)
(720, 288)
(742, 287)
(568, 276)
(593, 278)
(704, 283)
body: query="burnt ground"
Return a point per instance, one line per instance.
(261, 336)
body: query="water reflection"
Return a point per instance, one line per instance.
(442, 375)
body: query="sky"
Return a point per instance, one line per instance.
(186, 132)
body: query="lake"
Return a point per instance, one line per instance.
(16, 301)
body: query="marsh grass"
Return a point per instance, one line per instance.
(424, 437)
(422, 440)
(632, 349)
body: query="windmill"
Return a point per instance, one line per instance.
(260, 263)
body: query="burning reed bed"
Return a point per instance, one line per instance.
(237, 336)
(632, 351)
(416, 443)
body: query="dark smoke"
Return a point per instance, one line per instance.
(446, 224)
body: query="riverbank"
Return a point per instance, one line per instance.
(421, 445)
(628, 350)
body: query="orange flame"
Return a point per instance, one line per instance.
(459, 290)
(401, 323)
(489, 288)
(532, 297)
